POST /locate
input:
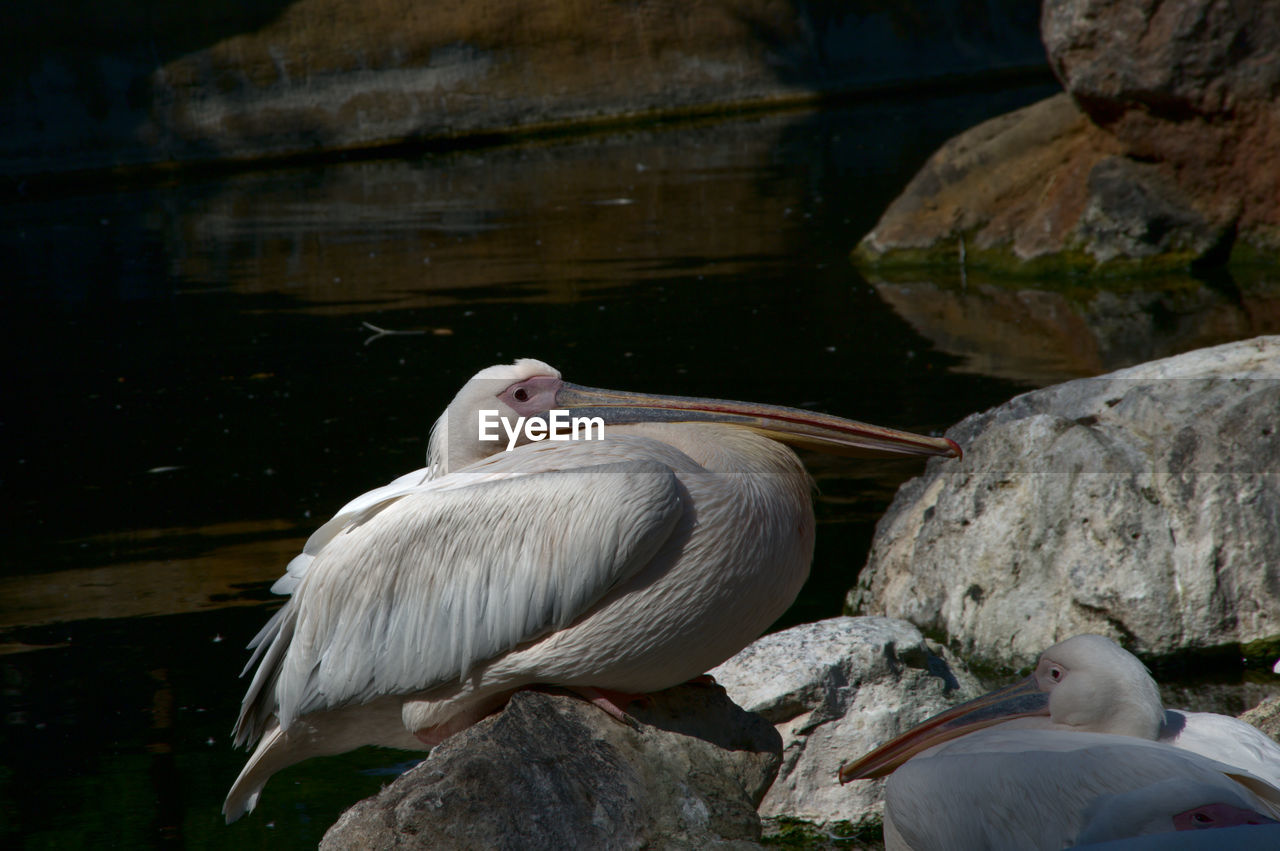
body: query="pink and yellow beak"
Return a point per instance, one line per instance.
(1022, 699)
(792, 426)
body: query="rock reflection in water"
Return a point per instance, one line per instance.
(389, 235)
(1041, 334)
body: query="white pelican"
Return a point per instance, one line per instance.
(621, 565)
(1177, 804)
(1022, 789)
(1075, 752)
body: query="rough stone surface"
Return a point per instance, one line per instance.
(552, 771)
(836, 689)
(1192, 87)
(1195, 56)
(1168, 153)
(133, 83)
(992, 189)
(1143, 505)
(1266, 717)
(1135, 211)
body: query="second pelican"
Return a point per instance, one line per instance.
(1080, 751)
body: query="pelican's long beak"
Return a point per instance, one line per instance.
(1019, 700)
(788, 425)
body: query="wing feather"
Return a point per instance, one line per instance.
(417, 587)
(1225, 739)
(354, 512)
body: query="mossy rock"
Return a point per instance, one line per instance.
(786, 832)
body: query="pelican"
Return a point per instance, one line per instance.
(614, 566)
(1074, 752)
(1175, 804)
(1011, 789)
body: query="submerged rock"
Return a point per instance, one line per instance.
(1142, 505)
(1165, 154)
(552, 771)
(836, 689)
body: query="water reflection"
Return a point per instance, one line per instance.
(240, 555)
(189, 394)
(643, 207)
(1042, 333)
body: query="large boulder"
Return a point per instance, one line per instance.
(132, 83)
(1194, 57)
(1000, 194)
(552, 771)
(1165, 151)
(836, 689)
(1143, 505)
(1192, 90)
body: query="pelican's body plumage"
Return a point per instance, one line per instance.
(629, 564)
(1080, 751)
(1010, 789)
(1223, 738)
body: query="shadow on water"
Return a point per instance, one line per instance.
(190, 392)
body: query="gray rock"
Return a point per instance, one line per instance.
(835, 690)
(552, 771)
(1133, 210)
(1266, 717)
(1143, 505)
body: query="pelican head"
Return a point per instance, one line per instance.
(528, 388)
(1086, 683)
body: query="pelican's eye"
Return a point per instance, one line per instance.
(533, 396)
(1055, 674)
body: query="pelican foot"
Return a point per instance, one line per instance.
(609, 701)
(612, 702)
(435, 734)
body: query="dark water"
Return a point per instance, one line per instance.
(189, 390)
